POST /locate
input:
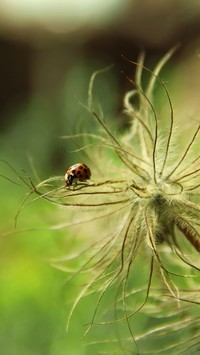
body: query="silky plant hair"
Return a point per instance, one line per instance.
(135, 224)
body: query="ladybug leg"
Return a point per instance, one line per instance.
(67, 184)
(75, 185)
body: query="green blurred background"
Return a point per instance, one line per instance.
(48, 51)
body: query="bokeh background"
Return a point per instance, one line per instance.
(48, 51)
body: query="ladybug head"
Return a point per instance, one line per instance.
(69, 179)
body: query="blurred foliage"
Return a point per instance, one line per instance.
(33, 306)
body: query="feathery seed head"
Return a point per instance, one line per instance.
(144, 199)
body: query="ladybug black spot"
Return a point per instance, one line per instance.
(85, 170)
(78, 172)
(73, 171)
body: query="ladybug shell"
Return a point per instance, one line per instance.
(77, 171)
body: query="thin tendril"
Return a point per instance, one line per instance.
(184, 155)
(156, 128)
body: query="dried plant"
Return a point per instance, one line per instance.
(138, 223)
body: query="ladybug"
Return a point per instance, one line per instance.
(79, 172)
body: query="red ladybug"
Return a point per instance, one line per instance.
(79, 172)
